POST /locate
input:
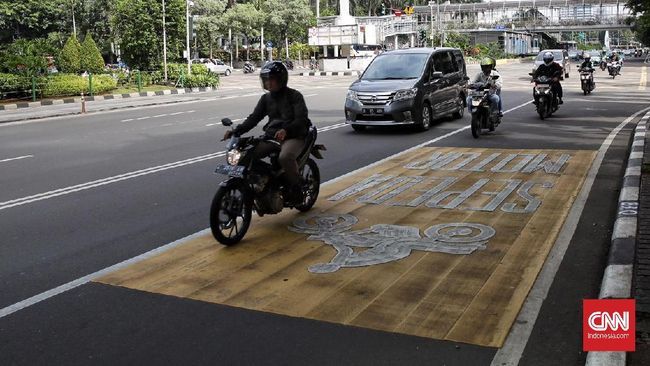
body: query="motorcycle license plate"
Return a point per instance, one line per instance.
(476, 102)
(236, 171)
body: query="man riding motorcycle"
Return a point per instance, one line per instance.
(288, 124)
(485, 77)
(586, 64)
(553, 71)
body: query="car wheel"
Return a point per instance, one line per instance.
(425, 117)
(227, 72)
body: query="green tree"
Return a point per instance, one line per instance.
(70, 58)
(246, 20)
(138, 28)
(25, 57)
(209, 25)
(285, 15)
(33, 18)
(91, 59)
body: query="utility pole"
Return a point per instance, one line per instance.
(164, 41)
(74, 24)
(431, 7)
(187, 35)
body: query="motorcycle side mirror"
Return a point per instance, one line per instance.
(466, 78)
(494, 77)
(436, 75)
(530, 73)
(226, 122)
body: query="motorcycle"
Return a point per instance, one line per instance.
(288, 64)
(614, 68)
(587, 80)
(258, 185)
(248, 68)
(546, 100)
(483, 115)
(603, 65)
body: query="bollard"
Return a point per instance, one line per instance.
(139, 82)
(83, 103)
(33, 88)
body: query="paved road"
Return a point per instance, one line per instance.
(83, 193)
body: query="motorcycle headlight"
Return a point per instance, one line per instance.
(405, 94)
(352, 95)
(234, 156)
(476, 102)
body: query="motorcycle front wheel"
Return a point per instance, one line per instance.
(311, 185)
(231, 213)
(476, 125)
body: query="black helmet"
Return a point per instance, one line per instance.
(274, 69)
(548, 58)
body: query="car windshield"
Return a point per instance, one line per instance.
(557, 56)
(396, 66)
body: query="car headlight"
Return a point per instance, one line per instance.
(234, 156)
(405, 94)
(352, 95)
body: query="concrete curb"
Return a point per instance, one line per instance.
(617, 279)
(104, 97)
(330, 73)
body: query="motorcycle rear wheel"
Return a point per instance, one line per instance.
(230, 213)
(311, 186)
(476, 126)
(541, 108)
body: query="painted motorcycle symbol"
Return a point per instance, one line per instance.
(385, 242)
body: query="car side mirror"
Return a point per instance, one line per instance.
(436, 75)
(226, 122)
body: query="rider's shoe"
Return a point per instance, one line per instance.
(561, 101)
(500, 114)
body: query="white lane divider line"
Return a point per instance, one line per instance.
(219, 123)
(17, 158)
(176, 113)
(83, 280)
(159, 115)
(141, 118)
(190, 112)
(127, 120)
(105, 181)
(310, 95)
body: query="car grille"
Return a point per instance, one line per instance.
(375, 98)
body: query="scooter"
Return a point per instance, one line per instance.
(587, 80)
(546, 100)
(248, 67)
(614, 68)
(483, 115)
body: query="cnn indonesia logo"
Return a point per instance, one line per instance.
(608, 325)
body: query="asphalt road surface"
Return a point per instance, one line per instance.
(83, 193)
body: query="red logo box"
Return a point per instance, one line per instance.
(608, 325)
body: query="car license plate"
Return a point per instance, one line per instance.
(236, 171)
(374, 111)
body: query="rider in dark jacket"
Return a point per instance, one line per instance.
(553, 71)
(288, 123)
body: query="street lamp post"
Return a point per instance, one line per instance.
(431, 7)
(164, 41)
(188, 3)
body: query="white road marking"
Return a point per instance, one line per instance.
(83, 280)
(141, 118)
(127, 120)
(176, 113)
(310, 95)
(105, 181)
(159, 115)
(17, 158)
(513, 348)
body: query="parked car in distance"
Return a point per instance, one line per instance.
(560, 56)
(216, 66)
(408, 87)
